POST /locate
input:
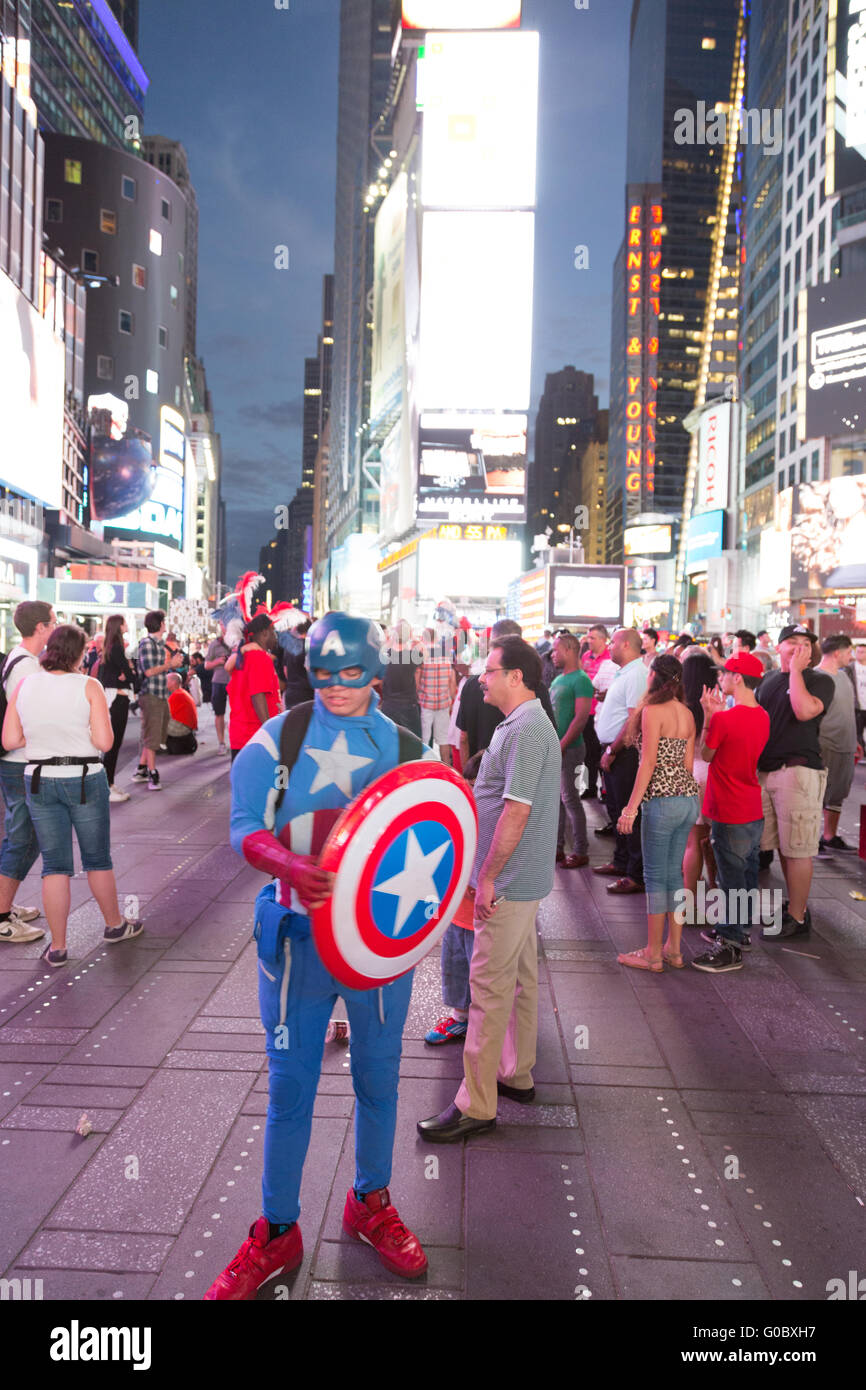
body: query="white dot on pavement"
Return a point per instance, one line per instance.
(737, 1283)
(189, 1274)
(797, 1284)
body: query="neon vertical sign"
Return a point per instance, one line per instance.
(643, 295)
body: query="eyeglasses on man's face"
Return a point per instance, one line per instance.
(492, 670)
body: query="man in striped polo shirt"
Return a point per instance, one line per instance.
(517, 797)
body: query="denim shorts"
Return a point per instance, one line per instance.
(56, 811)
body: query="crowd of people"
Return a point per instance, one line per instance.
(708, 757)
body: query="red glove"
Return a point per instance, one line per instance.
(312, 884)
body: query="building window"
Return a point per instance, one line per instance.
(800, 178)
(813, 90)
(782, 481)
(108, 222)
(792, 475)
(90, 262)
(166, 209)
(125, 321)
(792, 439)
(790, 163)
(105, 368)
(155, 241)
(152, 382)
(162, 333)
(72, 171)
(813, 126)
(53, 210)
(816, 466)
(172, 294)
(811, 168)
(177, 396)
(708, 43)
(139, 276)
(128, 188)
(803, 467)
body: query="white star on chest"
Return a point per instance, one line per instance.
(335, 765)
(414, 884)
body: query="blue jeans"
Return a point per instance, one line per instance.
(56, 811)
(737, 852)
(20, 848)
(665, 825)
(296, 998)
(457, 944)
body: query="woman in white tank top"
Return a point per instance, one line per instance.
(61, 716)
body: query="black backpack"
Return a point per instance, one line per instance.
(294, 731)
(5, 672)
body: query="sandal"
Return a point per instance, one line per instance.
(674, 958)
(639, 960)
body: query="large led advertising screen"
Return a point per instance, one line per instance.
(836, 371)
(461, 14)
(472, 468)
(135, 492)
(476, 311)
(389, 323)
(846, 96)
(480, 101)
(828, 536)
(31, 400)
(583, 594)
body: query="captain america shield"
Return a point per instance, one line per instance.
(401, 854)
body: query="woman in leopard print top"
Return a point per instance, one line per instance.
(664, 729)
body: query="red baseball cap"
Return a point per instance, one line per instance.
(745, 665)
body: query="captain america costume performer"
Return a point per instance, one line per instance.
(280, 824)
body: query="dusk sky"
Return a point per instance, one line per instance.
(251, 91)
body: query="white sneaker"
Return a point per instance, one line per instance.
(25, 914)
(16, 931)
(115, 794)
(223, 748)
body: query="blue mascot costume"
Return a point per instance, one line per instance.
(333, 749)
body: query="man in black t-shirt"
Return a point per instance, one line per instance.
(477, 720)
(791, 771)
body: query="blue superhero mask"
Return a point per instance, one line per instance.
(340, 641)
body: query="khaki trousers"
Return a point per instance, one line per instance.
(503, 1015)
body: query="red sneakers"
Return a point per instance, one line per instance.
(376, 1222)
(257, 1261)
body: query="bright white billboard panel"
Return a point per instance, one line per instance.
(467, 569)
(714, 458)
(480, 121)
(31, 400)
(461, 14)
(389, 325)
(476, 311)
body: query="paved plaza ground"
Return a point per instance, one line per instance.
(694, 1137)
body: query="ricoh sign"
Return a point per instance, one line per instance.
(714, 453)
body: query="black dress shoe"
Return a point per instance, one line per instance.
(589, 795)
(522, 1094)
(451, 1125)
(609, 829)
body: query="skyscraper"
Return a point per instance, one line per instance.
(87, 79)
(366, 30)
(680, 60)
(564, 425)
(171, 158)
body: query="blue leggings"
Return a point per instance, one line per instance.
(296, 999)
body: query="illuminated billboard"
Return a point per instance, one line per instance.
(580, 595)
(643, 277)
(714, 454)
(389, 326)
(647, 540)
(846, 96)
(472, 468)
(828, 536)
(480, 102)
(31, 400)
(157, 513)
(476, 311)
(836, 346)
(467, 569)
(705, 540)
(461, 14)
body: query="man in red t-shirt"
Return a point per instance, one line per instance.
(731, 742)
(254, 690)
(182, 717)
